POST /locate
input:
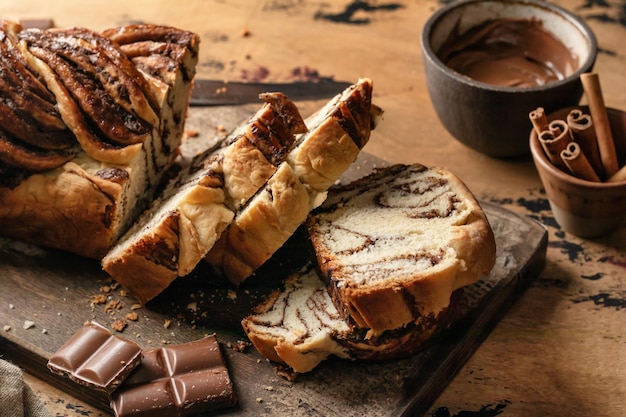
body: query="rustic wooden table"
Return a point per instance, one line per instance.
(561, 349)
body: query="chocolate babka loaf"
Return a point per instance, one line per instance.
(300, 327)
(394, 245)
(183, 224)
(87, 128)
(336, 134)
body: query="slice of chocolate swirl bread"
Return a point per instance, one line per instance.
(405, 230)
(86, 130)
(336, 134)
(300, 327)
(394, 245)
(183, 224)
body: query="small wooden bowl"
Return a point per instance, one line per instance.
(584, 208)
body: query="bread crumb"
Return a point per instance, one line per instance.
(98, 299)
(11, 306)
(119, 325)
(239, 346)
(132, 316)
(113, 305)
(28, 324)
(192, 133)
(259, 400)
(135, 306)
(44, 331)
(7, 328)
(167, 324)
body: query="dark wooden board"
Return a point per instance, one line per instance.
(55, 290)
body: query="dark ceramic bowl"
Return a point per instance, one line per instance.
(494, 119)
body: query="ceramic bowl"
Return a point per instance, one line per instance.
(494, 119)
(584, 208)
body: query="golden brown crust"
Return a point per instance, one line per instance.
(67, 208)
(268, 220)
(320, 163)
(405, 341)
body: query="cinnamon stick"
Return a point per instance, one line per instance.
(577, 162)
(618, 176)
(584, 134)
(554, 140)
(539, 119)
(606, 145)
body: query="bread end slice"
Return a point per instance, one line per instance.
(297, 326)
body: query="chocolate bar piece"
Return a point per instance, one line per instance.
(177, 380)
(96, 358)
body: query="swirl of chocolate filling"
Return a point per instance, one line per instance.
(33, 135)
(102, 96)
(62, 90)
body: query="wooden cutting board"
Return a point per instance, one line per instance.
(46, 296)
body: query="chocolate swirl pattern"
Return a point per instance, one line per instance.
(70, 89)
(101, 95)
(32, 134)
(405, 236)
(298, 325)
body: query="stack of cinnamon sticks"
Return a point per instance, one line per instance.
(582, 144)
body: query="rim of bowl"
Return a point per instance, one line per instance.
(539, 156)
(575, 20)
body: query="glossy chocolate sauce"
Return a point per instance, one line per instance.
(509, 52)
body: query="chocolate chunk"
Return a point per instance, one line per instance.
(96, 358)
(177, 380)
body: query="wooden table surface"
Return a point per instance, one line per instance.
(561, 349)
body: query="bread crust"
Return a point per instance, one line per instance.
(396, 300)
(66, 208)
(269, 219)
(172, 246)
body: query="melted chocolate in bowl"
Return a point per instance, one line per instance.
(509, 43)
(509, 52)
(485, 73)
